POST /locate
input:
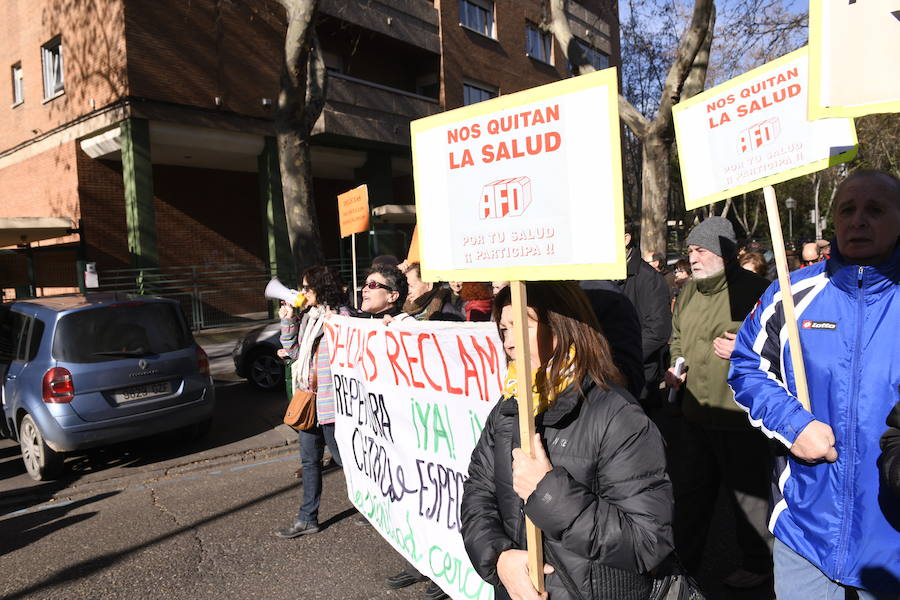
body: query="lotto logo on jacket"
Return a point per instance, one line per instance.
(819, 325)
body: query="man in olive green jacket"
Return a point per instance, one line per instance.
(716, 445)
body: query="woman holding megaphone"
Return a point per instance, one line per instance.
(302, 340)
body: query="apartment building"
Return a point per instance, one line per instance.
(140, 134)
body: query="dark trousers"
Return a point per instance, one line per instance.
(312, 450)
(704, 460)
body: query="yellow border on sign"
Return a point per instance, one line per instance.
(815, 109)
(558, 272)
(689, 202)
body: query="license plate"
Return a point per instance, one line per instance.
(139, 392)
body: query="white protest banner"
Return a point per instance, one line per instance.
(752, 131)
(854, 50)
(527, 186)
(411, 399)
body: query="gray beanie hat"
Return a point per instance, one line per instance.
(716, 234)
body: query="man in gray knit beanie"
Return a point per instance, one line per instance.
(716, 445)
(716, 234)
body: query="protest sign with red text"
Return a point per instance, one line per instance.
(411, 399)
(752, 131)
(523, 187)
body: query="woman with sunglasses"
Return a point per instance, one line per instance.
(303, 341)
(383, 293)
(597, 486)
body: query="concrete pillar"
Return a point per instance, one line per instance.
(277, 243)
(137, 174)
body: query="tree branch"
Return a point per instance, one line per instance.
(636, 122)
(696, 79)
(684, 59)
(559, 26)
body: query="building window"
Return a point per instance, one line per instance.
(593, 57)
(52, 61)
(477, 15)
(477, 93)
(538, 44)
(18, 85)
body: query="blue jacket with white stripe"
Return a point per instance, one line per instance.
(835, 515)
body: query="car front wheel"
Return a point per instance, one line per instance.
(41, 462)
(266, 371)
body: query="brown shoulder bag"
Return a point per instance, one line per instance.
(301, 412)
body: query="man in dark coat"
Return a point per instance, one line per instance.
(649, 294)
(619, 324)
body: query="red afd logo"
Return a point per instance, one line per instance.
(759, 134)
(505, 198)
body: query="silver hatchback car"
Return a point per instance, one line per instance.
(82, 371)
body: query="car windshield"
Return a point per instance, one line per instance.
(128, 330)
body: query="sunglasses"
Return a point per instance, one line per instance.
(374, 285)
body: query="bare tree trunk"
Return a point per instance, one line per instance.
(299, 202)
(300, 103)
(655, 178)
(817, 185)
(656, 136)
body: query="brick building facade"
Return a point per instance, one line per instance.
(149, 125)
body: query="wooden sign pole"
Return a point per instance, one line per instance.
(353, 259)
(525, 398)
(787, 298)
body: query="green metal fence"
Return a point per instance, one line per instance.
(213, 295)
(209, 295)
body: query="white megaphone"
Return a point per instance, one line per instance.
(278, 291)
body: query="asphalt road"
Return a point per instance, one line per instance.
(203, 535)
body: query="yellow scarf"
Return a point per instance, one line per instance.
(566, 378)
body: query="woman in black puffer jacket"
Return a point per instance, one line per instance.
(599, 491)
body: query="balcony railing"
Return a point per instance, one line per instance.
(368, 110)
(412, 21)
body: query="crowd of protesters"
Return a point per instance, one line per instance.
(815, 493)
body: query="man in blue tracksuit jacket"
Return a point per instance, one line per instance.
(836, 525)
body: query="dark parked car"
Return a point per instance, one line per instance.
(255, 358)
(82, 371)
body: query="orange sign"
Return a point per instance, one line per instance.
(413, 256)
(353, 211)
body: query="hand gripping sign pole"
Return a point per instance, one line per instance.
(525, 398)
(787, 298)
